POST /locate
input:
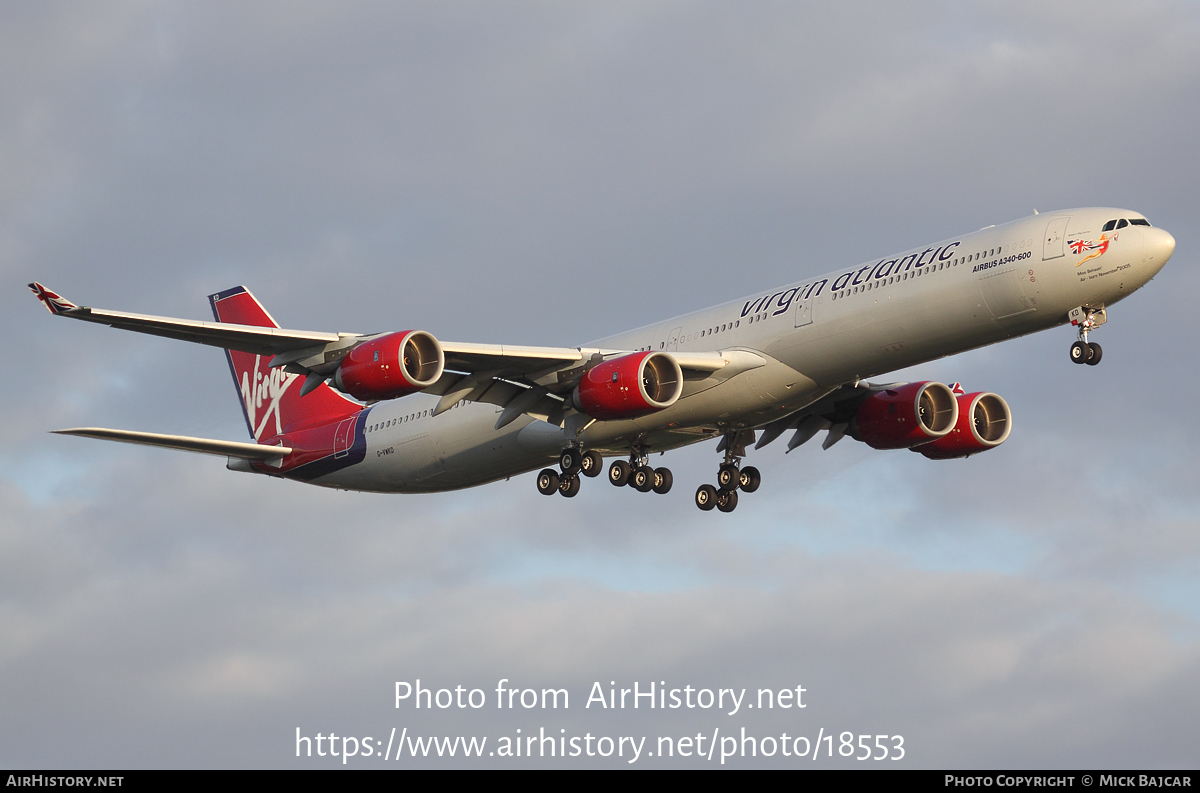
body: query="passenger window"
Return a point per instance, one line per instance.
(1109, 226)
(1122, 224)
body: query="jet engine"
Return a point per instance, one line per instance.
(630, 386)
(984, 422)
(391, 366)
(905, 416)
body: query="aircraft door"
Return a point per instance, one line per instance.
(1054, 243)
(804, 312)
(670, 341)
(343, 439)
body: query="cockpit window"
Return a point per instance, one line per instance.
(1109, 226)
(1139, 222)
(1122, 224)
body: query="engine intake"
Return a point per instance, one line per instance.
(906, 416)
(391, 366)
(984, 422)
(630, 386)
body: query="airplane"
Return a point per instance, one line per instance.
(329, 408)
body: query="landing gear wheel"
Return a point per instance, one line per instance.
(591, 463)
(570, 461)
(618, 473)
(728, 477)
(569, 486)
(1082, 352)
(727, 500)
(663, 480)
(1096, 353)
(706, 497)
(643, 479)
(749, 479)
(547, 481)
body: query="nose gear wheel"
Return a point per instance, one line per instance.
(1086, 320)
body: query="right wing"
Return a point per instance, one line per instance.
(246, 338)
(523, 380)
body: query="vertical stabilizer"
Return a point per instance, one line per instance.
(271, 398)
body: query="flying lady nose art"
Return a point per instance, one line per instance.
(1100, 247)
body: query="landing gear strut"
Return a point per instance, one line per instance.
(638, 474)
(731, 477)
(1086, 319)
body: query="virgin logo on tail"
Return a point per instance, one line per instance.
(263, 393)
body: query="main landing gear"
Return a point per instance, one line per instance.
(638, 474)
(1086, 320)
(573, 462)
(730, 476)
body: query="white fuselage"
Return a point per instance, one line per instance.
(814, 336)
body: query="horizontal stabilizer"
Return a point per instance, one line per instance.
(246, 451)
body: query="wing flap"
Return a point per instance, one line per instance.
(245, 451)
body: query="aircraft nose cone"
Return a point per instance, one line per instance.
(1160, 244)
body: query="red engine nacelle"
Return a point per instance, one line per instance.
(630, 386)
(906, 416)
(984, 422)
(391, 366)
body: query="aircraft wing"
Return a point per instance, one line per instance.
(246, 338)
(523, 380)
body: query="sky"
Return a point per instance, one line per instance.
(547, 173)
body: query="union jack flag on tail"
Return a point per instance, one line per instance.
(54, 303)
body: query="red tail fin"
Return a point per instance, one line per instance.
(271, 398)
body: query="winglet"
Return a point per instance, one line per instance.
(55, 303)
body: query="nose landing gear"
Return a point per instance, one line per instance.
(1086, 319)
(730, 476)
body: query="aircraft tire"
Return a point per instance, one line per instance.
(749, 479)
(618, 473)
(728, 477)
(706, 497)
(569, 486)
(663, 481)
(643, 479)
(727, 500)
(591, 463)
(1080, 352)
(1096, 353)
(547, 481)
(570, 461)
